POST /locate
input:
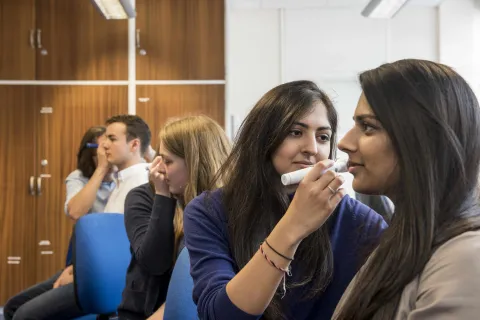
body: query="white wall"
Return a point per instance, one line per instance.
(267, 46)
(252, 58)
(330, 45)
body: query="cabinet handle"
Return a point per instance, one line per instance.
(142, 52)
(39, 39)
(137, 38)
(39, 186)
(32, 185)
(32, 38)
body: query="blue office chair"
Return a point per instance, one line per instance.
(179, 303)
(88, 317)
(101, 254)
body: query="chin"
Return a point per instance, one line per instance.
(365, 189)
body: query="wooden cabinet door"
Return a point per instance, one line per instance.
(156, 104)
(78, 43)
(17, 203)
(74, 109)
(17, 39)
(182, 39)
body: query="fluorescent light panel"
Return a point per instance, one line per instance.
(383, 9)
(115, 9)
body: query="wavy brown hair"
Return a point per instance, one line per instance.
(204, 146)
(433, 120)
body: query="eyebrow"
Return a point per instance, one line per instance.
(365, 116)
(304, 125)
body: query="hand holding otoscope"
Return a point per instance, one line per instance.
(318, 193)
(296, 176)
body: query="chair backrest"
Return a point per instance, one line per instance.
(101, 254)
(179, 303)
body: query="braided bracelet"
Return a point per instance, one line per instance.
(286, 272)
(281, 255)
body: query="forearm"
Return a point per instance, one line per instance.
(81, 203)
(252, 289)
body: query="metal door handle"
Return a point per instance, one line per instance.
(39, 186)
(142, 52)
(32, 185)
(39, 38)
(32, 38)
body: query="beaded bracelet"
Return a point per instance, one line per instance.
(286, 272)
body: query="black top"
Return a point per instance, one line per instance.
(149, 224)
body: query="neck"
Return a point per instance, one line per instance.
(131, 162)
(291, 189)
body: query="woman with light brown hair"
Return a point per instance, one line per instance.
(191, 151)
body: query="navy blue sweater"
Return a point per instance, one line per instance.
(212, 266)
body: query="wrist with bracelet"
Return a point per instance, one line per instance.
(286, 271)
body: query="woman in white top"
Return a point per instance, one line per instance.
(416, 139)
(89, 187)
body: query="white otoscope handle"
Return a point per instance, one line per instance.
(297, 176)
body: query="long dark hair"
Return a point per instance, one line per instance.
(85, 162)
(433, 120)
(253, 195)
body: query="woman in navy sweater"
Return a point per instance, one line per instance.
(259, 249)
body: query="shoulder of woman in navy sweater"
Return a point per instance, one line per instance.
(368, 223)
(207, 203)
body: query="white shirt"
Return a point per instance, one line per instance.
(125, 181)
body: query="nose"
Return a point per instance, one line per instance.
(106, 143)
(310, 145)
(162, 168)
(348, 143)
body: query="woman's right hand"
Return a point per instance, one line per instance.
(157, 176)
(316, 198)
(102, 161)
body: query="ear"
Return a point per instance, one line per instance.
(135, 145)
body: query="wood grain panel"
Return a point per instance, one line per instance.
(17, 56)
(183, 39)
(156, 104)
(17, 217)
(74, 110)
(80, 43)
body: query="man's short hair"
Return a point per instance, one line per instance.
(136, 129)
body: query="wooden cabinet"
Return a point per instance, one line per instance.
(180, 39)
(41, 125)
(44, 126)
(60, 40)
(74, 110)
(78, 43)
(17, 39)
(157, 104)
(17, 190)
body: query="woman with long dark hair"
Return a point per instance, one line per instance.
(416, 139)
(258, 248)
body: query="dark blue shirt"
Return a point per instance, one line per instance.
(352, 226)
